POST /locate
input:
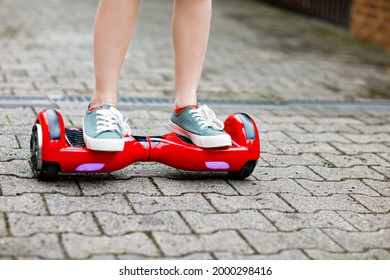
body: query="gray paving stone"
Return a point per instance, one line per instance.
(296, 149)
(367, 222)
(370, 119)
(353, 149)
(308, 204)
(375, 204)
(372, 129)
(286, 127)
(283, 255)
(3, 227)
(276, 136)
(244, 219)
(82, 247)
(5, 257)
(289, 160)
(290, 119)
(102, 257)
(178, 244)
(329, 137)
(261, 162)
(273, 242)
(383, 187)
(360, 241)
(277, 186)
(197, 176)
(20, 116)
(336, 120)
(20, 168)
(372, 254)
(291, 172)
(4, 121)
(368, 138)
(194, 256)
(238, 203)
(298, 221)
(385, 171)
(355, 113)
(310, 112)
(24, 141)
(269, 147)
(14, 186)
(323, 128)
(146, 169)
(152, 204)
(60, 204)
(355, 172)
(9, 141)
(340, 187)
(350, 161)
(46, 246)
(386, 156)
(26, 203)
(133, 185)
(178, 187)
(14, 154)
(25, 224)
(381, 113)
(114, 224)
(15, 129)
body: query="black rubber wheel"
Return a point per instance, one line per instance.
(49, 171)
(43, 170)
(35, 147)
(244, 172)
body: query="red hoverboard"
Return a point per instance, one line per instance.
(55, 149)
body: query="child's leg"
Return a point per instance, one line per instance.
(191, 28)
(115, 20)
(103, 126)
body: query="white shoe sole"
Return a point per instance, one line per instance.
(202, 141)
(107, 145)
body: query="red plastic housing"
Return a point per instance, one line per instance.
(168, 149)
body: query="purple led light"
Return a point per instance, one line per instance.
(217, 165)
(89, 167)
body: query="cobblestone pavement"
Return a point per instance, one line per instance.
(320, 191)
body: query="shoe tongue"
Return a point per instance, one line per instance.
(106, 106)
(115, 111)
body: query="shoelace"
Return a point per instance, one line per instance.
(206, 117)
(111, 120)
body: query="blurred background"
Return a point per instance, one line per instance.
(274, 50)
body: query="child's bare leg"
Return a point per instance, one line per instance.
(103, 125)
(191, 28)
(114, 24)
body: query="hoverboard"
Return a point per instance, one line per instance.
(56, 149)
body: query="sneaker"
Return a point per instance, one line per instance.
(201, 126)
(104, 128)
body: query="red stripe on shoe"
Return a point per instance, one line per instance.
(178, 110)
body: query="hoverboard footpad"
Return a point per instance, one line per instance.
(74, 137)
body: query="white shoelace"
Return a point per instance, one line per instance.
(206, 117)
(111, 120)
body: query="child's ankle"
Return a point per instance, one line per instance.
(101, 99)
(177, 110)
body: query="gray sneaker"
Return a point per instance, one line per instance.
(201, 126)
(104, 128)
